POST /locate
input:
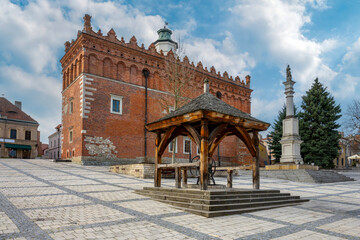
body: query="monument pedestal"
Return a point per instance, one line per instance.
(290, 142)
(291, 167)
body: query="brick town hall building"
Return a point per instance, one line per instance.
(111, 89)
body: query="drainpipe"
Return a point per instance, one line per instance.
(146, 75)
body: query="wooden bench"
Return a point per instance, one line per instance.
(180, 170)
(230, 171)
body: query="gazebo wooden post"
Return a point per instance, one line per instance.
(255, 167)
(157, 173)
(204, 154)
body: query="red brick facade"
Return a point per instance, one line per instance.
(97, 68)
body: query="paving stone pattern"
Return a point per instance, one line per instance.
(40, 199)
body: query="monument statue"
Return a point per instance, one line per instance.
(290, 141)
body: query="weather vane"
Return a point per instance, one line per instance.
(166, 23)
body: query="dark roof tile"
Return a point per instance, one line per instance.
(11, 112)
(209, 102)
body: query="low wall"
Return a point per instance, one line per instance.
(141, 170)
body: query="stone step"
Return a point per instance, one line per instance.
(215, 202)
(221, 207)
(209, 192)
(212, 197)
(221, 201)
(304, 175)
(210, 214)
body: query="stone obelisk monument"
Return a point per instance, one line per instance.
(290, 141)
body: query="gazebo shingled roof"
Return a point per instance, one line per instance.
(207, 121)
(209, 102)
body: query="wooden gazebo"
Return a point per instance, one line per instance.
(207, 121)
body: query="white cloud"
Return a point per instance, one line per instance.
(347, 87)
(263, 109)
(32, 43)
(34, 84)
(222, 55)
(353, 53)
(33, 34)
(40, 94)
(125, 20)
(275, 27)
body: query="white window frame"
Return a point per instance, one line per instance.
(186, 139)
(197, 150)
(120, 99)
(176, 146)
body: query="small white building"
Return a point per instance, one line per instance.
(54, 150)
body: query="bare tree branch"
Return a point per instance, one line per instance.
(353, 116)
(177, 78)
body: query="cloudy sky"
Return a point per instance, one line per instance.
(318, 38)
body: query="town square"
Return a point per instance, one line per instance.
(67, 201)
(179, 119)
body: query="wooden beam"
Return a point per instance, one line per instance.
(204, 155)
(165, 138)
(184, 176)
(177, 177)
(229, 178)
(157, 173)
(245, 137)
(194, 134)
(219, 129)
(182, 165)
(244, 167)
(247, 123)
(211, 116)
(164, 124)
(216, 143)
(256, 172)
(177, 132)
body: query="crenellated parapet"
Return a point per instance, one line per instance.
(150, 51)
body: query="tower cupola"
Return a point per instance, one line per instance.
(164, 42)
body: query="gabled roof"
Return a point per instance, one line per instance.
(11, 112)
(209, 102)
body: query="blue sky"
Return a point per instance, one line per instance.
(318, 38)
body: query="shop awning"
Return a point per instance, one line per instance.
(17, 146)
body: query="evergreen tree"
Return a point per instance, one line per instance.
(318, 127)
(276, 135)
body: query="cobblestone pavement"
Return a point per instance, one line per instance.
(40, 199)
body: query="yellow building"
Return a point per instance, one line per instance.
(263, 155)
(340, 161)
(19, 136)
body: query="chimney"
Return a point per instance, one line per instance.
(18, 104)
(206, 85)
